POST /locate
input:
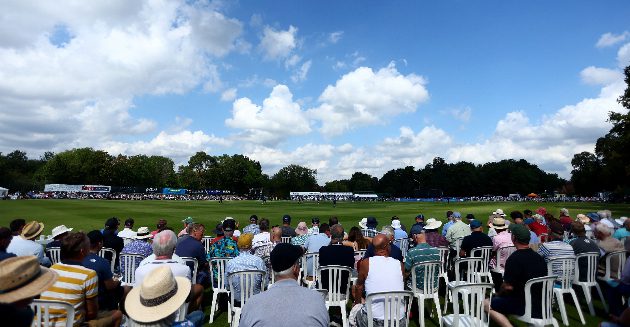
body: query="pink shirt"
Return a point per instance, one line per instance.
(500, 240)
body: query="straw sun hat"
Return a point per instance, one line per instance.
(32, 230)
(158, 297)
(22, 278)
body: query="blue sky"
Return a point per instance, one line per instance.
(337, 86)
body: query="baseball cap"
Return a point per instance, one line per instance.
(420, 216)
(470, 216)
(253, 218)
(284, 255)
(475, 224)
(286, 219)
(315, 220)
(457, 215)
(229, 225)
(521, 233)
(188, 220)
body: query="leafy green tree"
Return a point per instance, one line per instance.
(361, 182)
(77, 166)
(294, 178)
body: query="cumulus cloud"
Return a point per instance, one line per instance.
(313, 156)
(365, 97)
(623, 55)
(600, 76)
(278, 118)
(278, 44)
(610, 39)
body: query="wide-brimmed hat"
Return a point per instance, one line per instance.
(396, 224)
(363, 223)
(582, 218)
(158, 297)
(499, 212)
(143, 232)
(23, 277)
(32, 229)
(499, 224)
(621, 220)
(58, 231)
(301, 228)
(432, 224)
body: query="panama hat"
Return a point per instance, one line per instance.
(143, 232)
(583, 218)
(58, 231)
(32, 230)
(499, 224)
(158, 297)
(432, 224)
(363, 223)
(23, 278)
(499, 212)
(396, 224)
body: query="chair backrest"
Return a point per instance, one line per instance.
(247, 280)
(193, 265)
(369, 232)
(458, 246)
(218, 277)
(404, 246)
(590, 259)
(43, 308)
(286, 239)
(109, 254)
(430, 271)
(564, 269)
(130, 260)
(546, 296)
(618, 257)
(467, 269)
(54, 253)
(359, 253)
(127, 240)
(444, 253)
(502, 255)
(483, 252)
(206, 240)
(476, 294)
(313, 264)
(396, 305)
(336, 275)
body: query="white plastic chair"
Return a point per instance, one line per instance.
(474, 313)
(566, 266)
(314, 264)
(444, 253)
(192, 263)
(130, 260)
(246, 281)
(396, 306)
(337, 293)
(429, 290)
(591, 270)
(286, 239)
(54, 253)
(502, 254)
(206, 240)
(371, 233)
(610, 273)
(42, 310)
(112, 256)
(458, 246)
(484, 252)
(221, 285)
(404, 246)
(546, 284)
(355, 273)
(470, 276)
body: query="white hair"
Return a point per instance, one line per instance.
(164, 243)
(603, 229)
(387, 231)
(564, 211)
(604, 214)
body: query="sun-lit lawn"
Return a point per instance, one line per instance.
(91, 214)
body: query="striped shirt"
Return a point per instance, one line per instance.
(74, 286)
(553, 249)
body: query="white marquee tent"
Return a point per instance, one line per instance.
(3, 192)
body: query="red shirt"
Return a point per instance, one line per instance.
(538, 228)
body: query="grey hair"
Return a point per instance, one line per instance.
(564, 211)
(165, 322)
(388, 231)
(604, 214)
(336, 232)
(164, 243)
(603, 229)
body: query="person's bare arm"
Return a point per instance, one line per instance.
(506, 288)
(111, 284)
(462, 253)
(364, 266)
(91, 308)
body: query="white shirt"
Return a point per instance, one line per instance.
(128, 235)
(151, 258)
(260, 239)
(178, 269)
(23, 247)
(384, 274)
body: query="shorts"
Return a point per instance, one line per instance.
(103, 319)
(508, 305)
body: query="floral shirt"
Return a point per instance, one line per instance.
(251, 229)
(140, 247)
(222, 247)
(299, 240)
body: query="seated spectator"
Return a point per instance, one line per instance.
(501, 240)
(534, 240)
(336, 254)
(606, 215)
(161, 225)
(476, 238)
(356, 239)
(111, 239)
(565, 219)
(264, 251)
(193, 248)
(368, 227)
(524, 264)
(458, 230)
(394, 251)
(313, 244)
(378, 273)
(140, 245)
(109, 290)
(187, 222)
(244, 261)
(624, 231)
(78, 285)
(449, 223)
(618, 289)
(24, 244)
(314, 226)
(58, 233)
(225, 245)
(434, 238)
(402, 226)
(555, 247)
(127, 234)
(252, 228)
(419, 225)
(398, 232)
(517, 217)
(262, 238)
(287, 230)
(23, 279)
(16, 226)
(538, 226)
(5, 239)
(607, 244)
(236, 232)
(582, 244)
(302, 234)
(286, 304)
(422, 252)
(156, 301)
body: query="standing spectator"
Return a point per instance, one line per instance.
(476, 238)
(607, 244)
(624, 231)
(16, 226)
(501, 240)
(336, 254)
(24, 245)
(58, 233)
(139, 246)
(398, 232)
(128, 234)
(582, 244)
(286, 304)
(555, 247)
(109, 290)
(378, 274)
(192, 247)
(314, 243)
(161, 225)
(420, 253)
(5, 239)
(449, 223)
(434, 238)
(244, 261)
(287, 230)
(302, 234)
(522, 265)
(314, 226)
(252, 228)
(187, 221)
(394, 251)
(111, 240)
(22, 280)
(78, 285)
(419, 225)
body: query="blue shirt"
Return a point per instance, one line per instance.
(6, 255)
(244, 261)
(312, 245)
(398, 234)
(251, 229)
(190, 247)
(446, 227)
(104, 272)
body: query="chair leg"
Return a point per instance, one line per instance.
(589, 301)
(601, 296)
(213, 306)
(344, 315)
(438, 309)
(563, 310)
(446, 300)
(421, 311)
(237, 320)
(577, 306)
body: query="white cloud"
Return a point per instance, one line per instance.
(334, 37)
(278, 118)
(278, 44)
(300, 74)
(600, 76)
(461, 114)
(228, 95)
(610, 39)
(364, 97)
(313, 156)
(623, 55)
(292, 61)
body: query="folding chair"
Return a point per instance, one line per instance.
(470, 276)
(484, 252)
(109, 254)
(545, 301)
(218, 285)
(313, 265)
(474, 313)
(566, 266)
(396, 305)
(502, 254)
(44, 309)
(247, 280)
(54, 253)
(591, 270)
(130, 260)
(193, 265)
(337, 293)
(430, 286)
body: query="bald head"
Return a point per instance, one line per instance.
(381, 245)
(276, 234)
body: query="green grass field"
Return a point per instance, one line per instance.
(91, 214)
